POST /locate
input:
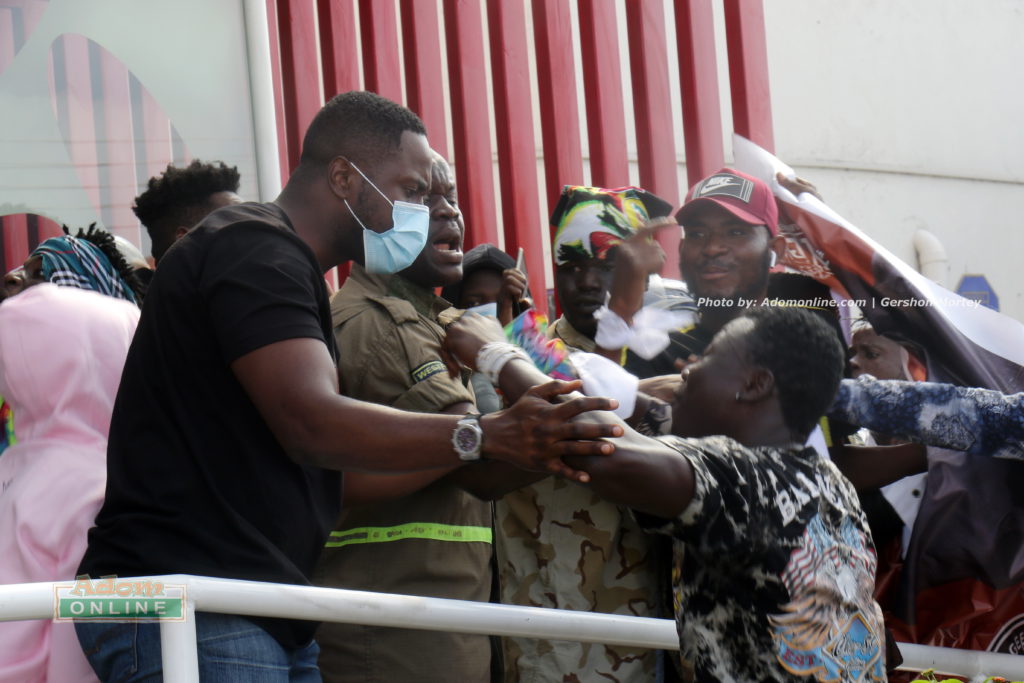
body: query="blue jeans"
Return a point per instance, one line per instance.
(232, 649)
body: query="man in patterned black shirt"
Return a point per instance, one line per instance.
(779, 564)
(779, 571)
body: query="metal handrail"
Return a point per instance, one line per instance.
(251, 598)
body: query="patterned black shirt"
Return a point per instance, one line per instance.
(779, 568)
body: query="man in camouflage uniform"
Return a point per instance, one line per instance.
(559, 545)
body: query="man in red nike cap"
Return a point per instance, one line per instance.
(730, 241)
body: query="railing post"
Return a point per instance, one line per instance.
(179, 651)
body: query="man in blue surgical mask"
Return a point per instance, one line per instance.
(229, 432)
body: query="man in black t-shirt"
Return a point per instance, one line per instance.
(228, 430)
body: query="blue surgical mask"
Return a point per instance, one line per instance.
(396, 248)
(490, 310)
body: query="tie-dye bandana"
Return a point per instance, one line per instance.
(589, 221)
(74, 262)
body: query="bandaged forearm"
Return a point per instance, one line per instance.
(492, 357)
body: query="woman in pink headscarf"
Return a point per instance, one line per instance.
(61, 355)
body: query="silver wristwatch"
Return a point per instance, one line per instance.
(468, 438)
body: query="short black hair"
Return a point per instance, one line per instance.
(803, 291)
(180, 197)
(803, 355)
(359, 126)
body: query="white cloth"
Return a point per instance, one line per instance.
(816, 440)
(604, 377)
(647, 336)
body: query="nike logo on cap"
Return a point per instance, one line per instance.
(726, 185)
(717, 183)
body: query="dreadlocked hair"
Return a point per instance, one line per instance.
(104, 241)
(805, 358)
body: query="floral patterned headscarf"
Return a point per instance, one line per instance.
(589, 221)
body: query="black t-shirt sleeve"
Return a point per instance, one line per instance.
(260, 288)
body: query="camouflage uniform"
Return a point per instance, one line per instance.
(559, 545)
(573, 338)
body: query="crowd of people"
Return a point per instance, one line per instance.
(744, 468)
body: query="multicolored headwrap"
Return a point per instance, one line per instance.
(75, 262)
(589, 221)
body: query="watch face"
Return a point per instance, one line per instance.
(466, 439)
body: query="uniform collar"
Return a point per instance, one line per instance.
(564, 330)
(375, 285)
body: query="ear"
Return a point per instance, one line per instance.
(913, 369)
(341, 178)
(180, 232)
(758, 386)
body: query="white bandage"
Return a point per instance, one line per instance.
(492, 357)
(646, 337)
(604, 377)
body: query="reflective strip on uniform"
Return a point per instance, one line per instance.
(430, 532)
(826, 429)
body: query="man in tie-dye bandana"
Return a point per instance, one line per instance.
(590, 222)
(557, 544)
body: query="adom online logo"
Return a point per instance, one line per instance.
(118, 600)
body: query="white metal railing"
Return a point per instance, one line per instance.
(249, 598)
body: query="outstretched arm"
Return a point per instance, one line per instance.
(364, 488)
(642, 473)
(977, 421)
(294, 386)
(869, 468)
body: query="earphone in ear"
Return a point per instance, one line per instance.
(773, 260)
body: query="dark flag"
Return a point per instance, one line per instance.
(962, 583)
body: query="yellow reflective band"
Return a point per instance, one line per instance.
(827, 431)
(430, 532)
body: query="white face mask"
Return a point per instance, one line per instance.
(397, 247)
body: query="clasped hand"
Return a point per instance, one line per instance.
(538, 430)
